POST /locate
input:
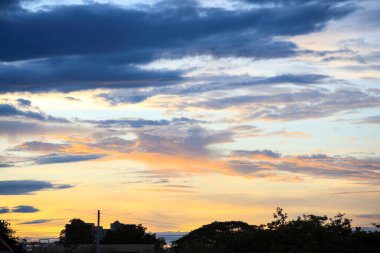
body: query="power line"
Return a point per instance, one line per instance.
(111, 218)
(146, 220)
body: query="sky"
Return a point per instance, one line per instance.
(175, 114)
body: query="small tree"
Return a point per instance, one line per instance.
(131, 233)
(280, 219)
(9, 237)
(77, 232)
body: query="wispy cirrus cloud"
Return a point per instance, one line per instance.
(370, 120)
(188, 147)
(265, 164)
(373, 217)
(303, 104)
(209, 84)
(66, 158)
(139, 122)
(39, 146)
(191, 150)
(63, 153)
(36, 222)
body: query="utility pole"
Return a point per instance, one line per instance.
(98, 234)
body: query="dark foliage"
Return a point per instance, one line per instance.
(309, 233)
(133, 234)
(77, 232)
(8, 236)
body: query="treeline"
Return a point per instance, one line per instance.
(306, 234)
(78, 232)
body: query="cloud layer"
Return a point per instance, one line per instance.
(19, 209)
(76, 47)
(22, 187)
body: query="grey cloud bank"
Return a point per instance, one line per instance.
(68, 48)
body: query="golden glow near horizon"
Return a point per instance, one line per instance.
(226, 124)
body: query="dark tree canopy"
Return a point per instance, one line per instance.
(8, 235)
(5, 230)
(133, 234)
(216, 236)
(77, 232)
(306, 234)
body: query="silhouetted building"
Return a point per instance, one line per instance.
(115, 225)
(94, 230)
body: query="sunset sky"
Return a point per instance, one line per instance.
(175, 114)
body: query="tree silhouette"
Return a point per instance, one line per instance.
(8, 236)
(132, 234)
(305, 234)
(77, 232)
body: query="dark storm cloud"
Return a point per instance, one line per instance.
(78, 47)
(25, 209)
(65, 158)
(22, 187)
